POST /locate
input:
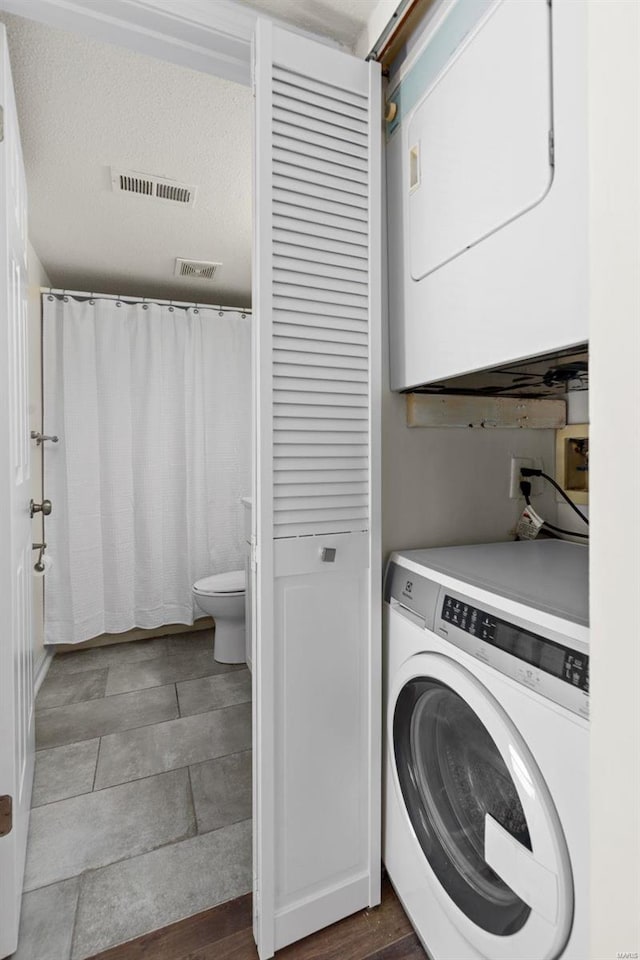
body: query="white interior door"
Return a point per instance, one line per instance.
(16, 654)
(316, 493)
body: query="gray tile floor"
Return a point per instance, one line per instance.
(142, 794)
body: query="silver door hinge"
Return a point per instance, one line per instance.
(1, 124)
(552, 149)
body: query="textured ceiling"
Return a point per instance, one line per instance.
(343, 20)
(85, 105)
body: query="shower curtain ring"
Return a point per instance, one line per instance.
(220, 310)
(195, 309)
(118, 301)
(145, 305)
(91, 300)
(170, 306)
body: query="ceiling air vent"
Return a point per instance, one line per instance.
(196, 269)
(155, 188)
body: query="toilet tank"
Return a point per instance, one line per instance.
(487, 189)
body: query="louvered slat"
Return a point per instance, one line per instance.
(295, 175)
(297, 461)
(320, 425)
(311, 331)
(296, 449)
(287, 152)
(352, 402)
(308, 515)
(320, 347)
(296, 196)
(336, 134)
(329, 251)
(326, 269)
(315, 155)
(283, 301)
(316, 528)
(305, 478)
(326, 91)
(298, 277)
(301, 345)
(310, 104)
(303, 411)
(323, 488)
(315, 389)
(337, 151)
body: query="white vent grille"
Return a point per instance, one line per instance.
(196, 269)
(320, 308)
(155, 188)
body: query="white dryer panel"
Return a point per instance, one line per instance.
(487, 240)
(479, 140)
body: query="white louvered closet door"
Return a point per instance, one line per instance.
(316, 490)
(17, 719)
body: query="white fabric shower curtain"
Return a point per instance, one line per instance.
(152, 407)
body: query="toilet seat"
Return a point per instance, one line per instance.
(222, 584)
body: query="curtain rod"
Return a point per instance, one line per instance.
(183, 304)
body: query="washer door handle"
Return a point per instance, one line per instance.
(519, 869)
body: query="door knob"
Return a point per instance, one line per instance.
(44, 508)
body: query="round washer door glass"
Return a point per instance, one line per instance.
(452, 775)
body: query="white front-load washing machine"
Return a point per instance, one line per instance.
(486, 753)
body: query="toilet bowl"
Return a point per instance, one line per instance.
(222, 597)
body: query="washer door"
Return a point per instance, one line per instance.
(481, 812)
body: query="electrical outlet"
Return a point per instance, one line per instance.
(514, 476)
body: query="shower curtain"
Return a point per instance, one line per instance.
(152, 407)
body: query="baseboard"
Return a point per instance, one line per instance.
(42, 670)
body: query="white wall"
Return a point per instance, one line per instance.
(36, 278)
(614, 146)
(445, 486)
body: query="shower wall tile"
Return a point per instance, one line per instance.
(96, 718)
(211, 693)
(61, 689)
(128, 899)
(178, 743)
(64, 839)
(222, 791)
(64, 772)
(167, 669)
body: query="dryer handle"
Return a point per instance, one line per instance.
(519, 869)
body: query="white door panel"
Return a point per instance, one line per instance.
(317, 367)
(478, 142)
(16, 652)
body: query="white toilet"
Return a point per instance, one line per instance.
(222, 597)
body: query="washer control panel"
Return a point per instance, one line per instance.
(552, 668)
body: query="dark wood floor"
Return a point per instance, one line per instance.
(224, 933)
